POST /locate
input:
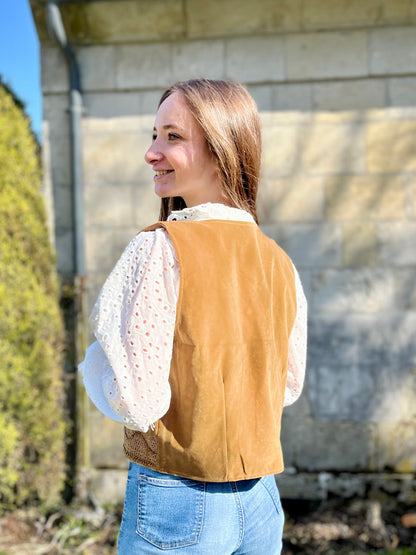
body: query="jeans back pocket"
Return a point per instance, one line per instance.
(170, 511)
(269, 484)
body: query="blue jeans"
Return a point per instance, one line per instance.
(163, 512)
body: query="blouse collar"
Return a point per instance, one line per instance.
(211, 211)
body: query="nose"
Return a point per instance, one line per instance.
(153, 154)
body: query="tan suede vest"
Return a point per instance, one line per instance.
(236, 309)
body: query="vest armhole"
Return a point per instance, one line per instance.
(157, 225)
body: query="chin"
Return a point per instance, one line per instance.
(163, 193)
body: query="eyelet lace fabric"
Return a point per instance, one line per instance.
(209, 211)
(126, 371)
(296, 365)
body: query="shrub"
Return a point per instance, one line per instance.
(32, 430)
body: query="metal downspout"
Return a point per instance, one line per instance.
(57, 31)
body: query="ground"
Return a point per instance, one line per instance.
(335, 526)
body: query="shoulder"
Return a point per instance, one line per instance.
(149, 238)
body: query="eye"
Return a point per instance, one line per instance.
(154, 137)
(173, 137)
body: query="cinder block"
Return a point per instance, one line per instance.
(287, 118)
(60, 149)
(120, 125)
(144, 66)
(334, 148)
(193, 59)
(326, 55)
(364, 290)
(397, 243)
(326, 14)
(132, 149)
(315, 486)
(100, 251)
(388, 345)
(149, 101)
(122, 237)
(390, 114)
(146, 205)
(280, 149)
(276, 231)
(112, 104)
(255, 59)
(109, 245)
(262, 95)
(98, 67)
(397, 401)
(314, 245)
(387, 340)
(115, 158)
(125, 21)
(402, 91)
(293, 199)
(399, 11)
(392, 51)
(108, 486)
(295, 418)
(62, 200)
(106, 441)
(343, 116)
(54, 72)
(100, 160)
(405, 280)
(217, 18)
(108, 205)
(390, 146)
(360, 246)
(55, 112)
(332, 341)
(298, 486)
(292, 96)
(95, 281)
(364, 197)
(394, 442)
(355, 393)
(410, 197)
(341, 446)
(305, 275)
(349, 95)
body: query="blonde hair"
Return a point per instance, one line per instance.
(229, 119)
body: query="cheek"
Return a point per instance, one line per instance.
(183, 159)
(209, 163)
(204, 157)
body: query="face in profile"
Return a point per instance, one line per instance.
(183, 164)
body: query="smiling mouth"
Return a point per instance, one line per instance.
(162, 172)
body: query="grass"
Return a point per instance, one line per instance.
(404, 551)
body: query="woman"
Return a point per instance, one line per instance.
(201, 334)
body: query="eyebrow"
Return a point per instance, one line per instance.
(169, 126)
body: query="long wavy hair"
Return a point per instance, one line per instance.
(229, 119)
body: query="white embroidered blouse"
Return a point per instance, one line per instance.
(126, 371)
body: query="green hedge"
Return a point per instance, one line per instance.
(32, 429)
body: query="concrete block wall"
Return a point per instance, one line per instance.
(336, 89)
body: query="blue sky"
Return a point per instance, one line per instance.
(19, 57)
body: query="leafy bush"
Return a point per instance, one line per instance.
(32, 430)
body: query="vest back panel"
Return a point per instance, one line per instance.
(236, 309)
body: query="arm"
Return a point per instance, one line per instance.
(297, 347)
(134, 321)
